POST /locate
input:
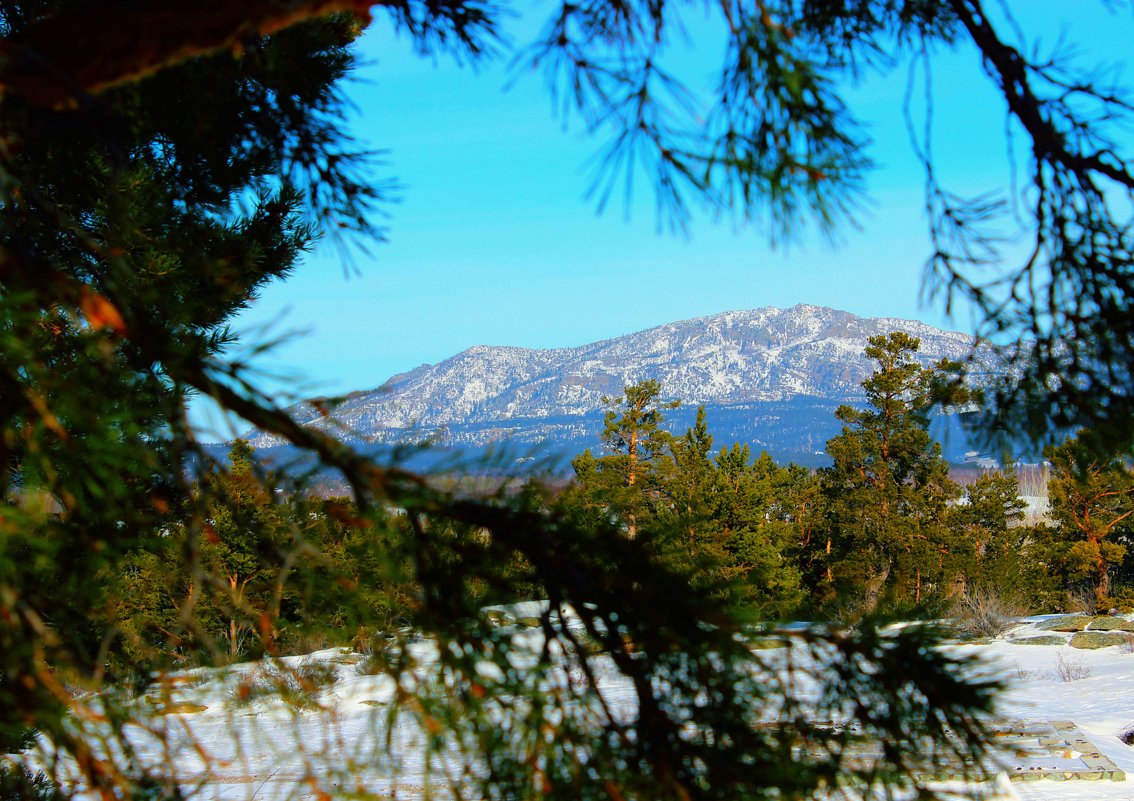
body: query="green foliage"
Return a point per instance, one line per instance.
(757, 515)
(728, 523)
(245, 537)
(350, 573)
(262, 573)
(625, 480)
(18, 783)
(991, 504)
(15, 734)
(690, 510)
(1092, 501)
(135, 224)
(677, 644)
(888, 491)
(149, 190)
(1004, 560)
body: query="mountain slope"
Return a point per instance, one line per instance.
(756, 371)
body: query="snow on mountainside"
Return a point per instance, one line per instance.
(741, 360)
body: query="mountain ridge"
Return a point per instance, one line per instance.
(763, 361)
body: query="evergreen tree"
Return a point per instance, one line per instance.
(625, 481)
(759, 526)
(1092, 503)
(352, 578)
(247, 538)
(991, 504)
(888, 489)
(151, 610)
(728, 520)
(691, 492)
(136, 221)
(999, 553)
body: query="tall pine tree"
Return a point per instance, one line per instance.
(888, 489)
(1092, 503)
(625, 480)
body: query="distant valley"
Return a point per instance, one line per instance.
(770, 377)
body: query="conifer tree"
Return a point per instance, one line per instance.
(137, 218)
(625, 479)
(1002, 555)
(690, 491)
(1092, 502)
(247, 536)
(888, 489)
(759, 526)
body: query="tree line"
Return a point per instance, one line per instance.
(243, 565)
(882, 527)
(882, 524)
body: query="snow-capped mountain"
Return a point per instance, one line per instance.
(768, 376)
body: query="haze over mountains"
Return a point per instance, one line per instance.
(771, 377)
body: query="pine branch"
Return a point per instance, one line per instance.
(59, 60)
(1011, 72)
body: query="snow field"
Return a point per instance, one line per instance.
(223, 740)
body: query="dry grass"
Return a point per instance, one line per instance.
(1066, 669)
(985, 613)
(1081, 602)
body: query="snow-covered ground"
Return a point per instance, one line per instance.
(225, 739)
(1092, 688)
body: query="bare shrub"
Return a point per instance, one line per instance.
(1081, 602)
(1034, 675)
(248, 689)
(300, 687)
(381, 656)
(305, 642)
(238, 641)
(297, 687)
(1031, 479)
(984, 612)
(366, 641)
(1072, 669)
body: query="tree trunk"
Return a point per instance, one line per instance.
(1102, 587)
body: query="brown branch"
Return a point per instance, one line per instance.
(1010, 69)
(366, 479)
(1107, 528)
(57, 61)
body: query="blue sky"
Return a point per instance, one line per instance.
(495, 242)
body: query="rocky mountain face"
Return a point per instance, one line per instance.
(770, 377)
